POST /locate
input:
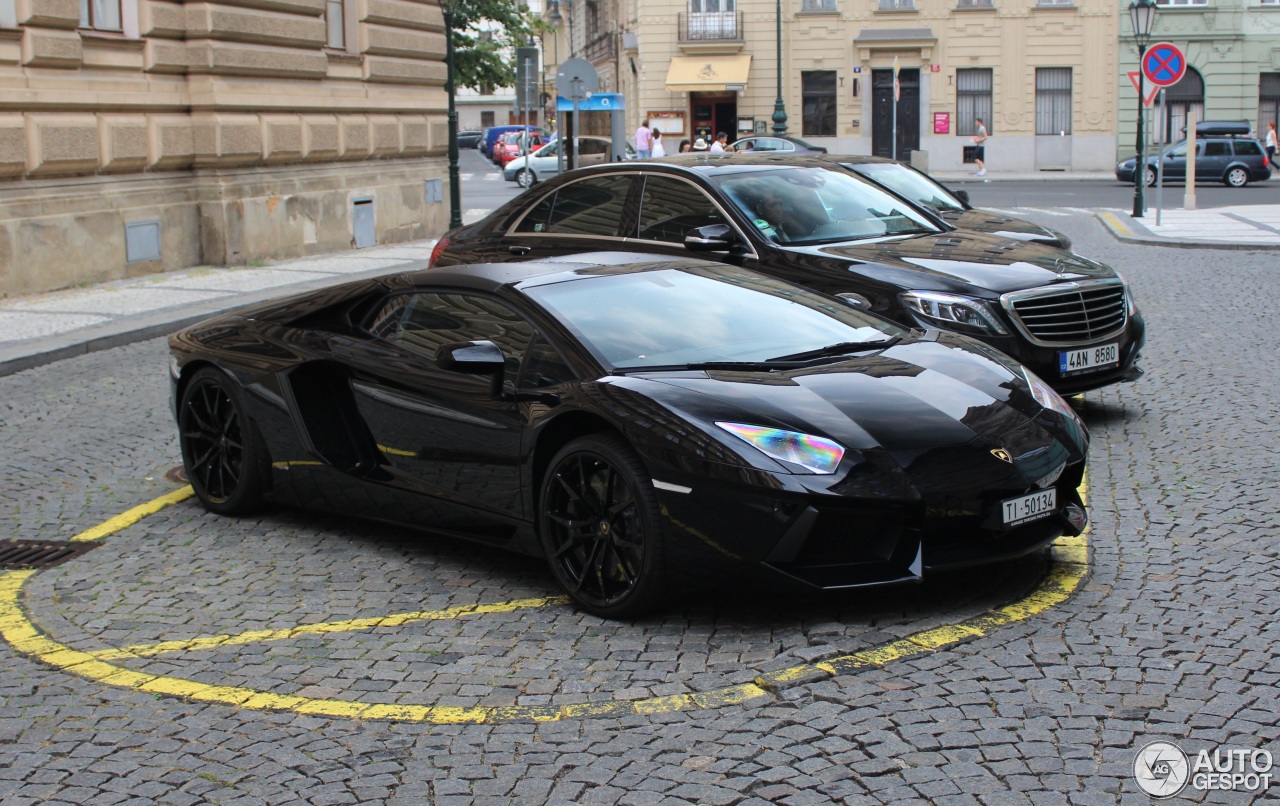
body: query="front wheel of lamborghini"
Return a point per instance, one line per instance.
(601, 528)
(221, 450)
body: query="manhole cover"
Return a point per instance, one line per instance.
(15, 554)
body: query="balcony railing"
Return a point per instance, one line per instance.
(602, 47)
(711, 26)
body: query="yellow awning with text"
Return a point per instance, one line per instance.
(708, 73)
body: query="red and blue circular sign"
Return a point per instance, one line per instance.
(1163, 64)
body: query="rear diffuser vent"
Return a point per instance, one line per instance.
(16, 554)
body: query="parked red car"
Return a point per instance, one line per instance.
(516, 144)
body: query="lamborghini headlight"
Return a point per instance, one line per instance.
(953, 312)
(815, 454)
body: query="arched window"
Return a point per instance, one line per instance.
(1187, 96)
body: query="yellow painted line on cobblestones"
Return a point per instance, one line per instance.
(134, 515)
(1116, 224)
(1069, 569)
(351, 625)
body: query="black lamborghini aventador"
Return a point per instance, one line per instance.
(629, 418)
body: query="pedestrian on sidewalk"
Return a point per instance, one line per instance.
(980, 149)
(659, 150)
(685, 146)
(644, 140)
(1271, 143)
(719, 146)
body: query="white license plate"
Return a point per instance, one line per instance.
(1071, 362)
(1027, 508)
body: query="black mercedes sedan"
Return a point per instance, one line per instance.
(636, 421)
(1072, 320)
(952, 205)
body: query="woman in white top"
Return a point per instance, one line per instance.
(659, 150)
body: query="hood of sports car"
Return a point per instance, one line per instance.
(917, 402)
(965, 262)
(1013, 228)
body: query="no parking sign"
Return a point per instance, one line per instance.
(1163, 64)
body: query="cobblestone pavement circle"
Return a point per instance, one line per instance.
(1070, 567)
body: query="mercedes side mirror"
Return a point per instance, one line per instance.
(711, 238)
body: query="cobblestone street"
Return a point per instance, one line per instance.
(1172, 636)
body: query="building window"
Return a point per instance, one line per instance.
(897, 5)
(1182, 99)
(486, 120)
(1268, 101)
(1043, 3)
(818, 91)
(973, 100)
(1182, 2)
(826, 5)
(9, 14)
(974, 4)
(1053, 100)
(100, 15)
(336, 22)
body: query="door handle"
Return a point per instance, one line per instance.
(519, 249)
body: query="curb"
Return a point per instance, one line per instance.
(1130, 231)
(50, 349)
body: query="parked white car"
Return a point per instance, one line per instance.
(544, 163)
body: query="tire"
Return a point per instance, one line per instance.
(1236, 177)
(525, 178)
(222, 451)
(600, 527)
(1151, 177)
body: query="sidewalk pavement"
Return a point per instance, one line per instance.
(44, 328)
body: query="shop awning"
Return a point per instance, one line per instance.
(708, 73)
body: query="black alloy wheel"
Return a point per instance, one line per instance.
(221, 449)
(600, 528)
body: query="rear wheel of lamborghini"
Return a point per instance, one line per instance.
(601, 528)
(221, 450)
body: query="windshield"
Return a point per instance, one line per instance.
(691, 315)
(818, 205)
(906, 182)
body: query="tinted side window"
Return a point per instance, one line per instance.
(1248, 148)
(543, 366)
(670, 208)
(421, 323)
(590, 207)
(539, 216)
(1217, 148)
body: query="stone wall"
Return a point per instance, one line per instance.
(233, 124)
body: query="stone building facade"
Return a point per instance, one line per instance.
(139, 136)
(1042, 73)
(1233, 68)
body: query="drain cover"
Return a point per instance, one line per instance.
(16, 554)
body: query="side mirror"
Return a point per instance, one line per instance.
(711, 238)
(471, 357)
(962, 195)
(855, 300)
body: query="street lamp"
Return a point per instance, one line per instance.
(455, 186)
(779, 108)
(1142, 18)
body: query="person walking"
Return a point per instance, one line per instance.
(722, 140)
(644, 140)
(659, 150)
(1271, 144)
(980, 150)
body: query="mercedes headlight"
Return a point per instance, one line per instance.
(815, 454)
(952, 312)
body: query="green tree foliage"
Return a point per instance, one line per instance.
(485, 35)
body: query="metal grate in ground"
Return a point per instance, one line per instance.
(21, 554)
